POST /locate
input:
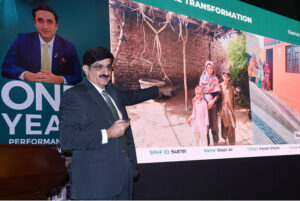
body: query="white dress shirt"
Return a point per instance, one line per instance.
(50, 50)
(103, 131)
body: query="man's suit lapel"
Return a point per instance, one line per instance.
(35, 49)
(114, 94)
(97, 97)
(57, 55)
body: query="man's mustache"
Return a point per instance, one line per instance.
(104, 76)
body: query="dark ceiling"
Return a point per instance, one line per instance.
(288, 8)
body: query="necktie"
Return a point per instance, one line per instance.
(45, 58)
(115, 114)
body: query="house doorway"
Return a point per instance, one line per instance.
(269, 60)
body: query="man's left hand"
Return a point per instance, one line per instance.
(166, 91)
(210, 105)
(47, 76)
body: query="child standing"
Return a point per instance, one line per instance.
(259, 76)
(228, 121)
(199, 117)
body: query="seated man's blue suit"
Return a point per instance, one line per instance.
(25, 55)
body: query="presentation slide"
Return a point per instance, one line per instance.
(169, 44)
(232, 70)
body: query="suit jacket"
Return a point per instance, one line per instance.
(98, 170)
(25, 55)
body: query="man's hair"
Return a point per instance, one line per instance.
(199, 88)
(46, 8)
(226, 72)
(96, 54)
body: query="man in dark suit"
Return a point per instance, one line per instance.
(93, 125)
(43, 56)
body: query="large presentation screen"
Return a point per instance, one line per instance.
(232, 73)
(171, 44)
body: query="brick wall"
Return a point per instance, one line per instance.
(130, 66)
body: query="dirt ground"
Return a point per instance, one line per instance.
(163, 123)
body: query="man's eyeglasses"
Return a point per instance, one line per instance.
(99, 67)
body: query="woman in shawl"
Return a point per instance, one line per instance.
(211, 89)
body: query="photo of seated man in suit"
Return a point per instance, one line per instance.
(42, 56)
